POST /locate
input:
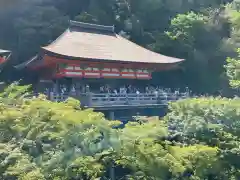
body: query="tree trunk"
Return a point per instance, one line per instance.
(112, 172)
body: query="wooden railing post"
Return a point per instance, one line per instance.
(89, 99)
(51, 96)
(127, 100)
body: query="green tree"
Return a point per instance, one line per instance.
(233, 71)
(51, 140)
(213, 122)
(197, 38)
(232, 12)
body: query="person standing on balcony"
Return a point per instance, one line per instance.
(156, 93)
(115, 92)
(102, 89)
(137, 92)
(87, 89)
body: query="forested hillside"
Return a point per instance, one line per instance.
(204, 32)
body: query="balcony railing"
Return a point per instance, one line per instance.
(95, 100)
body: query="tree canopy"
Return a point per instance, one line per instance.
(198, 139)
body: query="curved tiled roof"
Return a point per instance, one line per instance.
(91, 41)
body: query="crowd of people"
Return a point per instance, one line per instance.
(107, 89)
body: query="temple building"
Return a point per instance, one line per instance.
(96, 51)
(91, 54)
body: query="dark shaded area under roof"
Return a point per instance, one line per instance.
(33, 61)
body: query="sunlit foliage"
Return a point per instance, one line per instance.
(233, 70)
(214, 122)
(199, 139)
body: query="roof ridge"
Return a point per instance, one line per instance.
(91, 26)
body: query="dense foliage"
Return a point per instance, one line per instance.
(213, 122)
(233, 71)
(204, 32)
(198, 139)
